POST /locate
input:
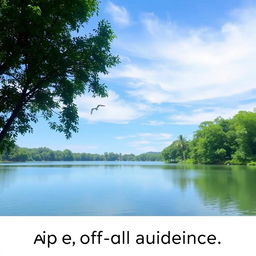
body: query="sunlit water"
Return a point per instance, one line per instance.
(126, 188)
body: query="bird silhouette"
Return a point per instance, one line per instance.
(96, 108)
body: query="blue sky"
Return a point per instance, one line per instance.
(183, 62)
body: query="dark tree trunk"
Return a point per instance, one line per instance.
(10, 121)
(13, 116)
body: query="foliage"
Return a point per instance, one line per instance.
(244, 126)
(230, 141)
(210, 143)
(252, 163)
(149, 156)
(44, 67)
(18, 154)
(177, 151)
(220, 184)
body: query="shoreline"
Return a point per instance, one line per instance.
(127, 161)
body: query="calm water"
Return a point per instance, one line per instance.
(106, 188)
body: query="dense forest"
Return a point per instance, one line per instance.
(222, 141)
(18, 154)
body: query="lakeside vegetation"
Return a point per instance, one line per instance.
(18, 154)
(222, 141)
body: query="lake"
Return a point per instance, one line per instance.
(126, 188)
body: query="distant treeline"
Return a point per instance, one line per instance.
(222, 141)
(18, 154)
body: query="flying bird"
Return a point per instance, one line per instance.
(97, 108)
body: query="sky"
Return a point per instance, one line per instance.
(182, 62)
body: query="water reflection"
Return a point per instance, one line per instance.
(225, 187)
(7, 176)
(82, 188)
(233, 185)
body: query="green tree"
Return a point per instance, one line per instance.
(244, 129)
(231, 141)
(182, 143)
(171, 153)
(177, 151)
(67, 155)
(44, 67)
(209, 144)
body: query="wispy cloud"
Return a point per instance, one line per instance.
(155, 123)
(209, 114)
(116, 110)
(169, 63)
(168, 67)
(154, 136)
(144, 142)
(77, 147)
(119, 14)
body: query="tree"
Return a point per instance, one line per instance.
(177, 151)
(209, 144)
(244, 128)
(67, 155)
(43, 68)
(182, 143)
(171, 153)
(230, 141)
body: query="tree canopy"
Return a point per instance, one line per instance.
(18, 154)
(44, 67)
(231, 141)
(177, 151)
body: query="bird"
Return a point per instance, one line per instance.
(97, 108)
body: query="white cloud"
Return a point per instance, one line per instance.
(169, 63)
(152, 136)
(155, 123)
(125, 137)
(144, 142)
(156, 136)
(77, 147)
(200, 115)
(116, 110)
(119, 14)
